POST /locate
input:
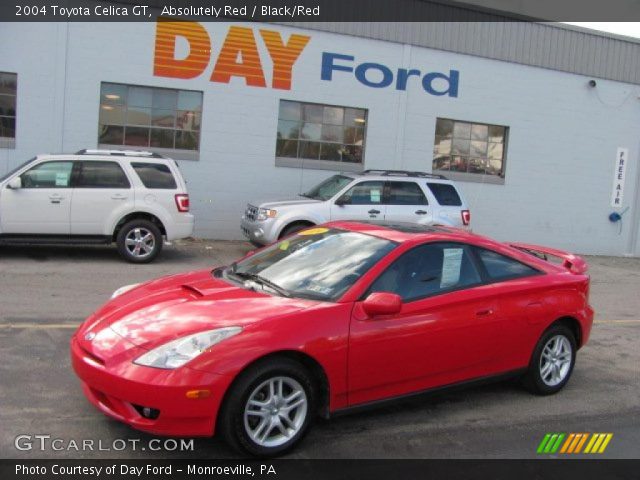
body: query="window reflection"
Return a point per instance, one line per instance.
(127, 112)
(322, 265)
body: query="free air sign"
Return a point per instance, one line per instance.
(622, 156)
(239, 56)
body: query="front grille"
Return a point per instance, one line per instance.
(251, 212)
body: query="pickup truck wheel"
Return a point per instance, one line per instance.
(139, 241)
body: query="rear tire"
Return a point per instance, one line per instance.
(552, 362)
(139, 241)
(269, 408)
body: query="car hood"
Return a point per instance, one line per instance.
(159, 311)
(275, 204)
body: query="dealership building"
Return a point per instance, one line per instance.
(538, 123)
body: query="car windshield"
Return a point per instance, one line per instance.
(318, 263)
(328, 188)
(11, 172)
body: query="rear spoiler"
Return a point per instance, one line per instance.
(573, 263)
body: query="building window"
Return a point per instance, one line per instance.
(8, 94)
(469, 149)
(322, 133)
(150, 117)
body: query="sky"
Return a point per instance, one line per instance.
(630, 29)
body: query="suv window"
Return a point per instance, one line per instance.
(155, 175)
(429, 270)
(364, 193)
(405, 193)
(445, 194)
(48, 175)
(500, 267)
(98, 174)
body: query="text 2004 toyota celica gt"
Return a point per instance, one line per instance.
(334, 317)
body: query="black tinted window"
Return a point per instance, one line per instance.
(101, 175)
(405, 193)
(155, 175)
(445, 194)
(428, 270)
(500, 267)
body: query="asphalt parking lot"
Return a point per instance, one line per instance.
(46, 292)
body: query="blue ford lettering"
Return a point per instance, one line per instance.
(376, 75)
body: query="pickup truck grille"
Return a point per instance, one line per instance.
(251, 212)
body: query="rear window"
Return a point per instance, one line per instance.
(445, 194)
(500, 267)
(155, 175)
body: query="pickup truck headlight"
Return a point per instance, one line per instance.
(264, 213)
(176, 353)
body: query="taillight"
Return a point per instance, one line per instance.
(182, 202)
(466, 217)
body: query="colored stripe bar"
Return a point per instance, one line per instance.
(605, 443)
(543, 443)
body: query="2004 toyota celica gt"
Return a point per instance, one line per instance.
(332, 318)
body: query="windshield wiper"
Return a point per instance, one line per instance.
(258, 279)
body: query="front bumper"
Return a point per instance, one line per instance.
(261, 233)
(117, 389)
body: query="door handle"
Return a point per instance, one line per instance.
(421, 212)
(484, 313)
(119, 196)
(374, 212)
(56, 198)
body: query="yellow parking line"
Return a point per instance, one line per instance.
(37, 326)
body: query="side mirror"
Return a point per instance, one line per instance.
(15, 183)
(342, 201)
(382, 303)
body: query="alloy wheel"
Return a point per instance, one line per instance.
(275, 411)
(555, 360)
(140, 242)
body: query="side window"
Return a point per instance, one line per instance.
(405, 193)
(155, 175)
(429, 270)
(48, 175)
(102, 175)
(500, 267)
(445, 194)
(364, 193)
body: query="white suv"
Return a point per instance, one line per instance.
(129, 197)
(390, 195)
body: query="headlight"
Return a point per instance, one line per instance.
(178, 352)
(264, 213)
(124, 289)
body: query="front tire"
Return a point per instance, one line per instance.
(139, 241)
(552, 362)
(269, 408)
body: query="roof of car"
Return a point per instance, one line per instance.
(114, 154)
(401, 231)
(399, 174)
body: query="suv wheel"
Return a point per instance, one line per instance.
(293, 228)
(139, 241)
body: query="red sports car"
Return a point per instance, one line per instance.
(332, 318)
